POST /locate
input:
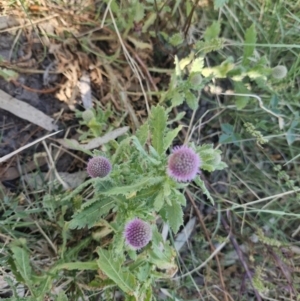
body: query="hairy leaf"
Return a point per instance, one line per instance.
(111, 266)
(142, 133)
(197, 65)
(201, 184)
(22, 262)
(191, 100)
(219, 3)
(158, 123)
(213, 31)
(250, 38)
(174, 215)
(177, 99)
(210, 157)
(139, 185)
(159, 201)
(139, 13)
(140, 148)
(170, 136)
(240, 101)
(212, 45)
(179, 196)
(89, 216)
(80, 266)
(62, 296)
(176, 39)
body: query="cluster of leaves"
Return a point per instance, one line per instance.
(138, 186)
(192, 76)
(96, 120)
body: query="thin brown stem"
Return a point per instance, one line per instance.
(240, 255)
(212, 247)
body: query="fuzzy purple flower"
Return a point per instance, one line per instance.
(98, 167)
(183, 164)
(137, 233)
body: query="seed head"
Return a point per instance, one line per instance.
(279, 72)
(183, 164)
(137, 233)
(98, 167)
(88, 115)
(196, 79)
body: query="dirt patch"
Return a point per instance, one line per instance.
(16, 132)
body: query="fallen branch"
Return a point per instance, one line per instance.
(25, 111)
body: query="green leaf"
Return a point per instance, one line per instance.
(191, 100)
(140, 148)
(80, 266)
(291, 135)
(241, 101)
(210, 157)
(162, 257)
(143, 272)
(170, 136)
(158, 123)
(197, 65)
(201, 184)
(179, 196)
(22, 263)
(111, 266)
(139, 11)
(62, 296)
(219, 3)
(177, 66)
(174, 215)
(142, 133)
(250, 38)
(213, 31)
(176, 39)
(8, 74)
(45, 285)
(140, 184)
(186, 61)
(177, 99)
(159, 201)
(89, 216)
(212, 45)
(227, 128)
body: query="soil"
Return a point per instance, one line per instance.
(16, 132)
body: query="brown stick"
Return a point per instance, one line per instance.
(212, 247)
(240, 255)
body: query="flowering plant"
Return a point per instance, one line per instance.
(136, 188)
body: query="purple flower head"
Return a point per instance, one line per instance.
(137, 233)
(183, 164)
(98, 167)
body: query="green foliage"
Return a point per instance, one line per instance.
(250, 40)
(211, 158)
(69, 245)
(8, 74)
(96, 120)
(138, 186)
(257, 134)
(229, 135)
(22, 264)
(212, 32)
(112, 268)
(158, 122)
(241, 101)
(174, 214)
(143, 133)
(258, 281)
(90, 215)
(219, 3)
